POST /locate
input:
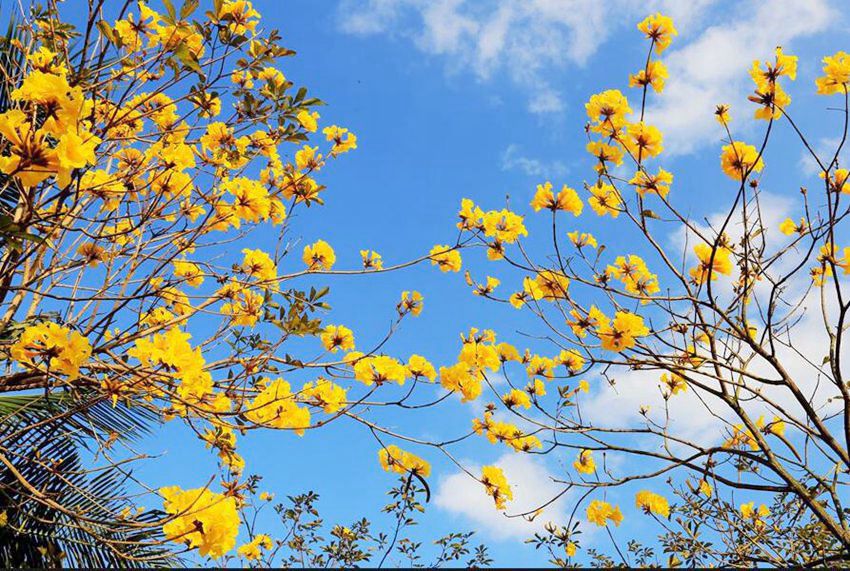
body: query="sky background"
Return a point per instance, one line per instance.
(455, 99)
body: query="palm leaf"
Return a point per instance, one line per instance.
(46, 439)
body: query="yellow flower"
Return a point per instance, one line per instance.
(756, 516)
(674, 383)
(607, 111)
(571, 359)
(308, 120)
(651, 502)
(379, 369)
(739, 160)
(600, 513)
(276, 407)
(548, 285)
(582, 240)
(469, 214)
(653, 75)
(411, 302)
(251, 200)
(642, 141)
(92, 254)
(658, 183)
(712, 261)
(243, 306)
(446, 258)
(30, 158)
(319, 255)
(582, 322)
(705, 488)
(173, 352)
(721, 114)
(506, 432)
(605, 200)
(836, 71)
(837, 181)
(325, 394)
(253, 549)
(371, 260)
(201, 519)
(585, 462)
(788, 227)
(420, 367)
(504, 225)
(59, 349)
(463, 379)
(659, 29)
(517, 397)
(768, 93)
(342, 138)
(776, 427)
(189, 271)
(605, 153)
(536, 387)
(335, 337)
(308, 158)
(258, 264)
(567, 199)
(496, 485)
(622, 333)
(273, 77)
(394, 459)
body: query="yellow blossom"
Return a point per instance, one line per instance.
(394, 459)
(216, 514)
(496, 485)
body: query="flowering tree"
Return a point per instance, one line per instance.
(145, 153)
(715, 330)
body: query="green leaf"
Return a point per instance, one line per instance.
(172, 13)
(189, 6)
(188, 59)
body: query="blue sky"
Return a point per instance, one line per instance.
(454, 99)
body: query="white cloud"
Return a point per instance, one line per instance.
(512, 158)
(534, 43)
(532, 486)
(699, 417)
(528, 42)
(825, 149)
(712, 68)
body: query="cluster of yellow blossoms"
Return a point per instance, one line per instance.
(52, 348)
(600, 513)
(201, 519)
(496, 485)
(56, 146)
(253, 550)
(510, 434)
(394, 459)
(652, 503)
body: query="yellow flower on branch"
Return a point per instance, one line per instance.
(496, 485)
(203, 520)
(394, 459)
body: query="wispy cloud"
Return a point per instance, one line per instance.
(712, 68)
(528, 42)
(514, 159)
(532, 486)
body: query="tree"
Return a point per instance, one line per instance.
(727, 327)
(142, 153)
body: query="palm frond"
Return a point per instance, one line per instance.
(51, 481)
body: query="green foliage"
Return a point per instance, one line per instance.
(47, 446)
